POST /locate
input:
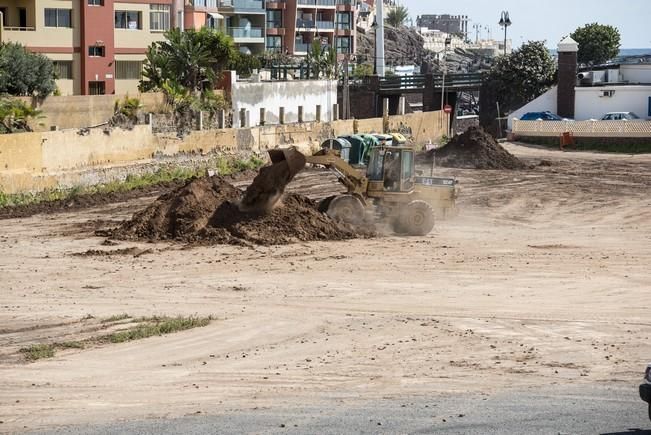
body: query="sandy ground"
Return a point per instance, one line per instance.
(542, 279)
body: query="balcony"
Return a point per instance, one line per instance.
(316, 3)
(249, 6)
(302, 47)
(305, 24)
(325, 25)
(248, 33)
(205, 4)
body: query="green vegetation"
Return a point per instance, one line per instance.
(15, 115)
(397, 16)
(145, 327)
(25, 74)
(598, 43)
(150, 327)
(322, 62)
(362, 70)
(522, 76)
(223, 165)
(116, 318)
(38, 351)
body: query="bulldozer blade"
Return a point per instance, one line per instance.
(269, 185)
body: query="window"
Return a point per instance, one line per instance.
(58, 17)
(63, 69)
(96, 51)
(95, 2)
(274, 19)
(128, 20)
(159, 18)
(343, 45)
(343, 21)
(128, 70)
(96, 88)
(3, 10)
(274, 44)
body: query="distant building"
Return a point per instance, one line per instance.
(445, 23)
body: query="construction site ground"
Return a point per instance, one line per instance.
(542, 279)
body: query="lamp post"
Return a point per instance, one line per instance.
(448, 42)
(505, 21)
(374, 27)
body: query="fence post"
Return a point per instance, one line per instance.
(300, 114)
(335, 112)
(402, 106)
(385, 107)
(318, 113)
(263, 113)
(201, 112)
(242, 118)
(281, 115)
(221, 118)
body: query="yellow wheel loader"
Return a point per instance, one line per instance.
(390, 188)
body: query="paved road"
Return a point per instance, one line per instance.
(577, 410)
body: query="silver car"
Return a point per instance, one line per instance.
(621, 116)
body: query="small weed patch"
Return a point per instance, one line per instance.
(116, 318)
(38, 351)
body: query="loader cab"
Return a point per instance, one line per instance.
(391, 169)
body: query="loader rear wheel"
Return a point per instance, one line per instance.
(346, 208)
(416, 219)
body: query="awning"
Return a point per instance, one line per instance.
(216, 16)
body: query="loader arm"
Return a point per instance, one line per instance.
(355, 182)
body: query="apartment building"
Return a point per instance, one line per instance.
(98, 46)
(293, 25)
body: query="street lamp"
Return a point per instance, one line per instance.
(448, 42)
(505, 22)
(374, 27)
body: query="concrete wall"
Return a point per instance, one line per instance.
(547, 101)
(290, 95)
(591, 104)
(83, 111)
(37, 161)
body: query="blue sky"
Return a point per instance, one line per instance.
(548, 19)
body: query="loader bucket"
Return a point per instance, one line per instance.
(269, 185)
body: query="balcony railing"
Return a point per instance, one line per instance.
(205, 4)
(19, 29)
(275, 24)
(243, 32)
(325, 25)
(249, 5)
(346, 2)
(316, 2)
(344, 26)
(302, 47)
(305, 24)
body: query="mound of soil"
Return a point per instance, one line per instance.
(206, 210)
(475, 149)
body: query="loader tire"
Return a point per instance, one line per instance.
(347, 209)
(416, 219)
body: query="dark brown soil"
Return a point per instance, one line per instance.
(475, 149)
(85, 201)
(206, 210)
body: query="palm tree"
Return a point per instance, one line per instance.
(397, 16)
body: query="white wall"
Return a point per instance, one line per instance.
(591, 104)
(290, 95)
(547, 101)
(636, 73)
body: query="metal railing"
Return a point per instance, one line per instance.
(301, 47)
(305, 24)
(244, 32)
(205, 4)
(19, 29)
(327, 25)
(316, 2)
(249, 5)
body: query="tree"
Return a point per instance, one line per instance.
(598, 43)
(191, 59)
(25, 74)
(521, 76)
(397, 16)
(322, 61)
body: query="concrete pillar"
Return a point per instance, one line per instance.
(281, 115)
(201, 115)
(263, 113)
(428, 94)
(300, 114)
(335, 112)
(318, 113)
(567, 71)
(402, 105)
(242, 118)
(385, 107)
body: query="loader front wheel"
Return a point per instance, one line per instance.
(416, 219)
(346, 208)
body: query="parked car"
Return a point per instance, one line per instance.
(645, 388)
(541, 116)
(621, 116)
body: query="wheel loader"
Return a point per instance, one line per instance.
(390, 188)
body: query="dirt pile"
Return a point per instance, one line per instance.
(206, 210)
(474, 149)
